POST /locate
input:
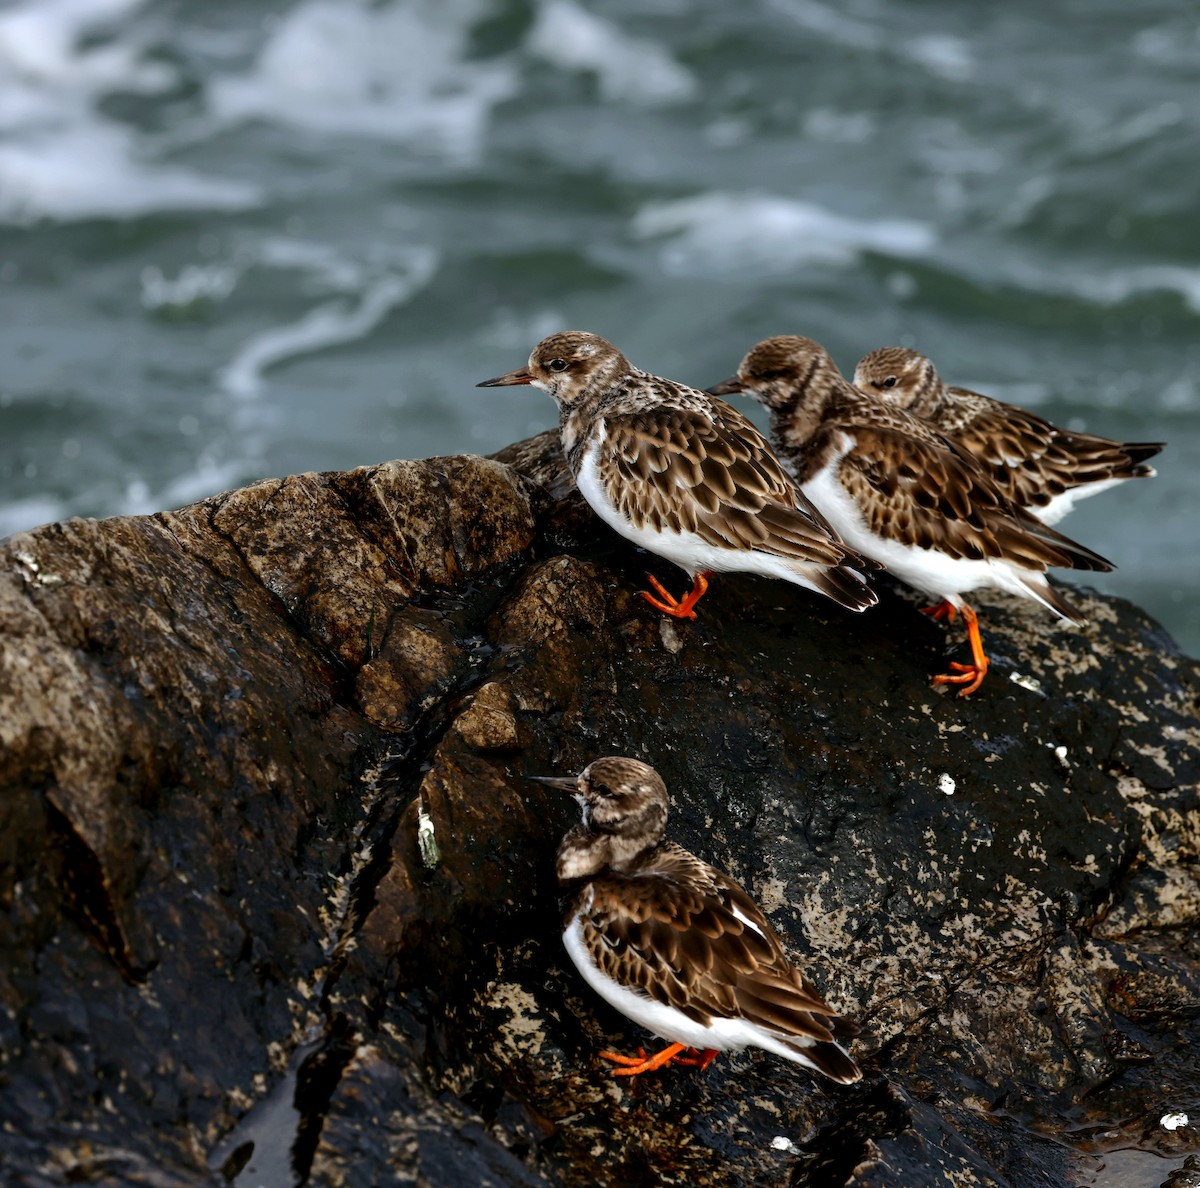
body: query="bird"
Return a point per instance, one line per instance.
(675, 944)
(1040, 466)
(685, 476)
(904, 494)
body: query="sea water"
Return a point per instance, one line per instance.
(254, 237)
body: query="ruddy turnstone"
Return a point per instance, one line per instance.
(902, 493)
(1040, 466)
(674, 944)
(684, 475)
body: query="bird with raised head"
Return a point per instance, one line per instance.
(684, 476)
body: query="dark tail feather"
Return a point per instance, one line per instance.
(845, 586)
(1045, 593)
(1139, 451)
(1071, 554)
(829, 1059)
(841, 1026)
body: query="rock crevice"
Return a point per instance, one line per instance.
(265, 769)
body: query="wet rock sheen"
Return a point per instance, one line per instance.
(265, 808)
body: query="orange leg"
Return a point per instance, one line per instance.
(970, 676)
(695, 1059)
(641, 1063)
(943, 610)
(669, 605)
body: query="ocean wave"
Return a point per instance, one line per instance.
(20, 515)
(1122, 284)
(395, 72)
(736, 232)
(207, 477)
(332, 323)
(628, 69)
(1107, 290)
(941, 54)
(91, 170)
(63, 157)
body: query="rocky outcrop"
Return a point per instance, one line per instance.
(279, 892)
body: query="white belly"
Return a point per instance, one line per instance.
(684, 549)
(721, 1035)
(926, 570)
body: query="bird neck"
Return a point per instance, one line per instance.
(577, 420)
(585, 853)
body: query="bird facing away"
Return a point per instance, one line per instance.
(684, 475)
(1038, 465)
(902, 493)
(676, 945)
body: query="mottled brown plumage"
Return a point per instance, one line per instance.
(1034, 462)
(901, 492)
(651, 920)
(683, 474)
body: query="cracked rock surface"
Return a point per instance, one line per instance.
(275, 880)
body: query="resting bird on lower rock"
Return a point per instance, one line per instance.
(902, 493)
(684, 476)
(674, 944)
(1045, 469)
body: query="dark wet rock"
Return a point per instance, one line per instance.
(266, 828)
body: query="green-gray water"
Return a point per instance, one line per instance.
(243, 239)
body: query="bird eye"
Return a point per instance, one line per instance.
(601, 789)
(890, 382)
(557, 365)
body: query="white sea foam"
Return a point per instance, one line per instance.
(1113, 287)
(1121, 284)
(627, 68)
(395, 72)
(1169, 45)
(331, 323)
(830, 24)
(941, 54)
(206, 478)
(22, 514)
(735, 232)
(63, 158)
(195, 283)
(1110, 136)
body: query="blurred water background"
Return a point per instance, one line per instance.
(244, 238)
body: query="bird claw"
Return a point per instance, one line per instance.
(942, 610)
(635, 1066)
(677, 608)
(968, 675)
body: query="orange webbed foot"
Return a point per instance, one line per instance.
(636, 1065)
(696, 1059)
(943, 611)
(966, 675)
(677, 608)
(970, 676)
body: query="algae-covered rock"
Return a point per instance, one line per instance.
(267, 835)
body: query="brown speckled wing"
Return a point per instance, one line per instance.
(680, 468)
(925, 492)
(679, 941)
(1029, 458)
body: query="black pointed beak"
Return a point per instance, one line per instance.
(726, 387)
(511, 378)
(562, 783)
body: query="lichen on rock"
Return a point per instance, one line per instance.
(265, 765)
